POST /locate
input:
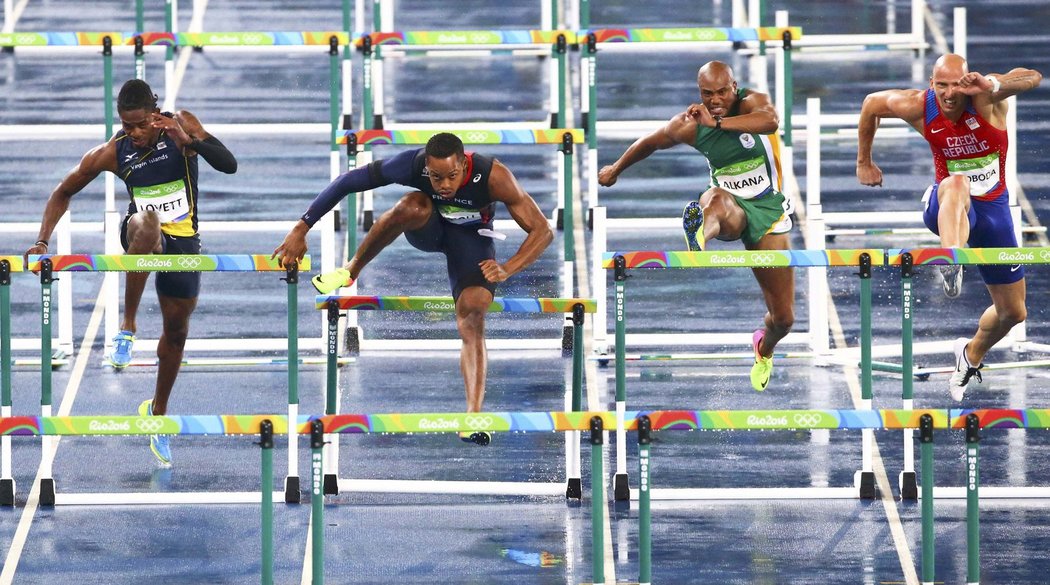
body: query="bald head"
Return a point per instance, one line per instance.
(950, 66)
(715, 73)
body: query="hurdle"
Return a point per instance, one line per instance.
(907, 259)
(577, 307)
(214, 42)
(565, 139)
(907, 420)
(47, 265)
(816, 260)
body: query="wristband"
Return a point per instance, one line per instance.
(41, 243)
(718, 123)
(996, 84)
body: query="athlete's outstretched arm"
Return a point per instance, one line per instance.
(680, 129)
(905, 104)
(503, 187)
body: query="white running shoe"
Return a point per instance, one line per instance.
(963, 371)
(951, 279)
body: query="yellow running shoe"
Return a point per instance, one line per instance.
(763, 368)
(160, 445)
(330, 281)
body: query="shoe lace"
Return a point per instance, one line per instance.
(972, 372)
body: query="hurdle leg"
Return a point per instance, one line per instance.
(317, 501)
(926, 438)
(906, 482)
(621, 486)
(331, 479)
(291, 481)
(973, 528)
(865, 479)
(47, 483)
(645, 540)
(597, 501)
(574, 486)
(7, 481)
(266, 443)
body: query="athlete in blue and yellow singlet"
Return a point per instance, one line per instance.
(155, 154)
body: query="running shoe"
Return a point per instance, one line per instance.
(951, 279)
(158, 444)
(763, 368)
(693, 224)
(963, 371)
(331, 281)
(121, 355)
(477, 437)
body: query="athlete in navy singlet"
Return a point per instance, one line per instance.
(451, 212)
(155, 154)
(963, 117)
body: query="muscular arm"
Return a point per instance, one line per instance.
(906, 104)
(679, 130)
(101, 158)
(188, 133)
(992, 104)
(757, 115)
(503, 187)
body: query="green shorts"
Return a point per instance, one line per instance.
(769, 214)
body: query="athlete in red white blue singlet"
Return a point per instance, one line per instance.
(963, 117)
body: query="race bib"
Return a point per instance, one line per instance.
(458, 215)
(747, 179)
(982, 172)
(168, 200)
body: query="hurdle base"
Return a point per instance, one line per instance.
(566, 340)
(865, 482)
(47, 492)
(331, 484)
(367, 219)
(558, 215)
(909, 488)
(7, 492)
(621, 488)
(291, 490)
(352, 341)
(574, 489)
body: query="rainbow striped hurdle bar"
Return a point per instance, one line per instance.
(864, 259)
(47, 264)
(907, 259)
(644, 422)
(576, 306)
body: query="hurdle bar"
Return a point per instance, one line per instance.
(458, 44)
(816, 259)
(47, 264)
(565, 138)
(573, 396)
(907, 259)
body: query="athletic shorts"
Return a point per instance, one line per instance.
(179, 285)
(990, 227)
(768, 214)
(463, 248)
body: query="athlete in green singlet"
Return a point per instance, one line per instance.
(735, 129)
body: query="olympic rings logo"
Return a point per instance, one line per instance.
(477, 136)
(763, 258)
(189, 262)
(479, 37)
(26, 39)
(478, 422)
(253, 39)
(1045, 255)
(808, 420)
(149, 425)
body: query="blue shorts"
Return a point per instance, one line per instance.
(180, 285)
(990, 227)
(464, 248)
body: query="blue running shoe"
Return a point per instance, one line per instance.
(693, 224)
(158, 444)
(121, 356)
